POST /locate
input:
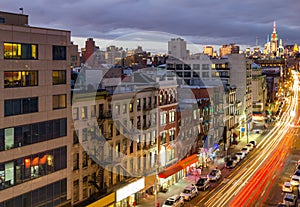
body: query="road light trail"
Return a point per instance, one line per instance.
(271, 155)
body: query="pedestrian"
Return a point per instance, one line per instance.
(134, 203)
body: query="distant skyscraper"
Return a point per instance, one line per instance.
(177, 48)
(208, 50)
(271, 47)
(274, 39)
(229, 49)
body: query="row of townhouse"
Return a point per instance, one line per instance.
(146, 128)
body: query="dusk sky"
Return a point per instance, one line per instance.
(212, 22)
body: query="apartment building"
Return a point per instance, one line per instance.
(259, 94)
(191, 70)
(116, 133)
(35, 120)
(236, 70)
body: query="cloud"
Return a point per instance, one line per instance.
(213, 22)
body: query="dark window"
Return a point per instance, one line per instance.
(20, 106)
(20, 51)
(2, 20)
(59, 52)
(58, 77)
(1, 139)
(32, 133)
(75, 137)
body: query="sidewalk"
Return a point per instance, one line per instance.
(177, 188)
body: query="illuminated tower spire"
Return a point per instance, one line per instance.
(274, 36)
(274, 27)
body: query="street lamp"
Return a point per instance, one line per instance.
(157, 167)
(246, 122)
(247, 131)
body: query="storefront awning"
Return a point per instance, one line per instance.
(170, 171)
(188, 161)
(107, 200)
(149, 181)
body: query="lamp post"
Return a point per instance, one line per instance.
(246, 122)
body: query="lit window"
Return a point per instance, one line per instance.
(59, 101)
(58, 77)
(20, 51)
(84, 112)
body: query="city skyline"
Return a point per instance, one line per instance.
(242, 23)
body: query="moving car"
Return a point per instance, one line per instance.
(203, 183)
(290, 199)
(189, 192)
(215, 175)
(287, 187)
(174, 201)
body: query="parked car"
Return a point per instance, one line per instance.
(230, 164)
(235, 159)
(297, 173)
(290, 199)
(240, 154)
(174, 201)
(203, 183)
(250, 146)
(257, 131)
(189, 192)
(215, 175)
(281, 205)
(287, 187)
(245, 150)
(298, 165)
(253, 142)
(295, 180)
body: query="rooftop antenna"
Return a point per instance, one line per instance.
(256, 41)
(21, 9)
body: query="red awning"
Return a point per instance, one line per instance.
(170, 171)
(188, 161)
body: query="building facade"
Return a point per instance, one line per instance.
(35, 120)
